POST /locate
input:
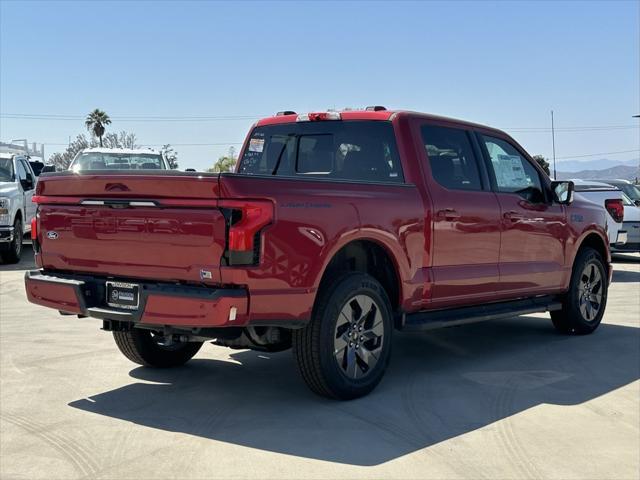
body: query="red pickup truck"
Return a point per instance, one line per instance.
(336, 229)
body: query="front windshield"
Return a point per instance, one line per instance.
(6, 170)
(117, 161)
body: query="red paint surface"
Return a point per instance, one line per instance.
(60, 297)
(192, 312)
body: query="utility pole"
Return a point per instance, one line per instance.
(553, 145)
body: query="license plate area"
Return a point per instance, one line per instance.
(123, 295)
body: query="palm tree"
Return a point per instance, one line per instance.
(96, 122)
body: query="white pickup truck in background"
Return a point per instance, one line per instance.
(622, 212)
(17, 185)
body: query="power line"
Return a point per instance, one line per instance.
(598, 154)
(199, 118)
(131, 118)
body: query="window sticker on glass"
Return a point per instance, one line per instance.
(256, 145)
(509, 171)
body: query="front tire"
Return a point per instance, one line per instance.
(345, 349)
(141, 346)
(14, 251)
(584, 304)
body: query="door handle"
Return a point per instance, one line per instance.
(513, 216)
(448, 214)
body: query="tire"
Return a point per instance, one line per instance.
(139, 346)
(584, 304)
(14, 250)
(351, 325)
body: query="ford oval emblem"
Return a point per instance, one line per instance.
(52, 235)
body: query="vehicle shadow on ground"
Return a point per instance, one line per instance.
(26, 261)
(439, 385)
(624, 258)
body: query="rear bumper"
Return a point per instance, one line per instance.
(621, 239)
(159, 304)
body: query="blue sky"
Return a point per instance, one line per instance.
(505, 64)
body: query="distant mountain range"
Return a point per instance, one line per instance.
(598, 169)
(601, 164)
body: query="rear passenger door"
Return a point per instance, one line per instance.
(533, 228)
(465, 218)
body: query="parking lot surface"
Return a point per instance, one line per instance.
(500, 399)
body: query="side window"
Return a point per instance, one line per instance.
(513, 173)
(27, 170)
(24, 173)
(451, 158)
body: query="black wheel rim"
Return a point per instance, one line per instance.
(590, 290)
(358, 337)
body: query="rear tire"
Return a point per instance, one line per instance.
(140, 346)
(14, 250)
(584, 304)
(345, 349)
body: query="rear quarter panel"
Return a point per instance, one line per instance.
(313, 219)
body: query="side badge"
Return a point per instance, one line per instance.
(51, 235)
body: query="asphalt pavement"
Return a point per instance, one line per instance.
(500, 399)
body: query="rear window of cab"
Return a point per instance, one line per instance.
(346, 150)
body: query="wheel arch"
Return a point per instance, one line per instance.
(596, 241)
(369, 256)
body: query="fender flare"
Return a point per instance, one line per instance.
(384, 240)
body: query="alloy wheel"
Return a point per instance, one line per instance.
(359, 336)
(590, 292)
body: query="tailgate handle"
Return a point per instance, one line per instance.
(120, 203)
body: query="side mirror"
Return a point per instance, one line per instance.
(27, 184)
(637, 202)
(563, 192)
(48, 169)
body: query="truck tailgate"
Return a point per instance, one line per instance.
(161, 227)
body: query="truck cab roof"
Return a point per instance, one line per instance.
(380, 115)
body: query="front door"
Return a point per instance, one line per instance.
(465, 218)
(533, 236)
(27, 183)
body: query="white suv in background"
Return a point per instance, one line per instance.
(17, 184)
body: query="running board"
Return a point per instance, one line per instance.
(428, 320)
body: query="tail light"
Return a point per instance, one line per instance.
(245, 220)
(34, 229)
(615, 209)
(34, 235)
